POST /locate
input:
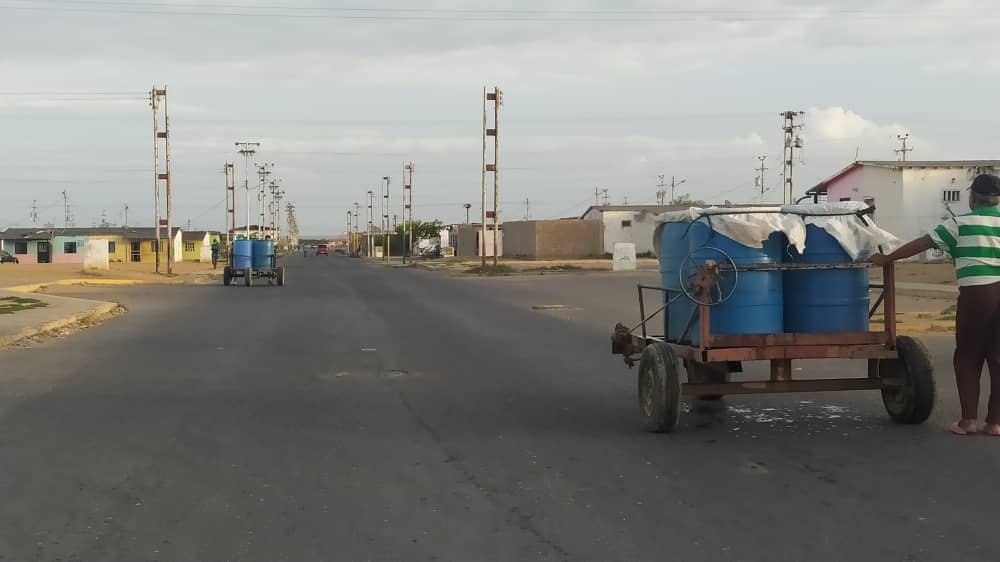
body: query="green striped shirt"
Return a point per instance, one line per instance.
(973, 241)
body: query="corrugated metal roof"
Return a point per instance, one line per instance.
(134, 233)
(647, 208)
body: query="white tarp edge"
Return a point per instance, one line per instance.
(751, 229)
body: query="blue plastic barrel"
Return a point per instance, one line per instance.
(829, 300)
(242, 254)
(263, 254)
(755, 306)
(673, 249)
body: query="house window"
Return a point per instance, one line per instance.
(69, 247)
(20, 247)
(845, 198)
(626, 224)
(952, 196)
(189, 246)
(111, 247)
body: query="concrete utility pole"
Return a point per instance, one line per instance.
(408, 210)
(246, 151)
(496, 96)
(293, 227)
(371, 217)
(385, 219)
(263, 171)
(792, 141)
(156, 97)
(230, 171)
(661, 193)
(467, 207)
(759, 179)
(357, 236)
(125, 219)
(901, 152)
(67, 215)
(34, 212)
(604, 194)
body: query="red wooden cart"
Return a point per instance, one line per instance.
(898, 366)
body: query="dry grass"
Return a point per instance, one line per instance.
(184, 272)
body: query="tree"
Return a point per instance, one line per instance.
(421, 229)
(684, 200)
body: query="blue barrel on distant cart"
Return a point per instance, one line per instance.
(242, 254)
(674, 248)
(263, 254)
(825, 300)
(755, 305)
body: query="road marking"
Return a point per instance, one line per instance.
(367, 349)
(548, 306)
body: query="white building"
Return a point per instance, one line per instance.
(628, 223)
(910, 197)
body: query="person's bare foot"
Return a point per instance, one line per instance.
(992, 429)
(963, 427)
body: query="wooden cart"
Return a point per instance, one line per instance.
(898, 366)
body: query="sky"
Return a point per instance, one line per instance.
(596, 95)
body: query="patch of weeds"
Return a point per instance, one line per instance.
(500, 269)
(10, 305)
(558, 267)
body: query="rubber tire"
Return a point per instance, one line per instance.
(698, 372)
(915, 402)
(281, 277)
(659, 389)
(227, 277)
(248, 277)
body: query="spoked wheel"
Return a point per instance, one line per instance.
(711, 373)
(227, 276)
(659, 389)
(909, 395)
(248, 277)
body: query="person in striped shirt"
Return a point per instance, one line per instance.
(973, 242)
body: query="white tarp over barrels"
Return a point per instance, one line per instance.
(846, 221)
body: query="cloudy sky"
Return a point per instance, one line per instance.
(596, 94)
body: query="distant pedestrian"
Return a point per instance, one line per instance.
(215, 253)
(973, 241)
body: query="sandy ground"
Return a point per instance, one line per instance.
(460, 265)
(184, 273)
(938, 273)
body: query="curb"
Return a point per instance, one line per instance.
(101, 311)
(32, 287)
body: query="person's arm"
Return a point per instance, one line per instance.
(908, 250)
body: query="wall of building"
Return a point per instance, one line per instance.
(626, 226)
(519, 239)
(568, 239)
(59, 247)
(30, 257)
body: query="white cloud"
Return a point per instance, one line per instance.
(838, 123)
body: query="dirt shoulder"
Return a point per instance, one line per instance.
(466, 266)
(30, 277)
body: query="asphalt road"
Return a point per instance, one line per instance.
(364, 413)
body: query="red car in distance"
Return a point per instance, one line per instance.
(321, 250)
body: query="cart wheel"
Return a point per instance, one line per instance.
(714, 373)
(227, 277)
(281, 277)
(248, 277)
(912, 400)
(659, 389)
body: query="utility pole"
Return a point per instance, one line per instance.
(496, 96)
(67, 215)
(125, 220)
(673, 186)
(527, 208)
(230, 171)
(661, 193)
(357, 237)
(408, 210)
(371, 244)
(34, 212)
(263, 171)
(293, 227)
(104, 218)
(605, 195)
(792, 141)
(157, 97)
(247, 151)
(902, 151)
(385, 219)
(759, 179)
(467, 207)
(597, 194)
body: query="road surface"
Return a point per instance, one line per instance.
(365, 413)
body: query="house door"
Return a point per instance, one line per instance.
(135, 250)
(44, 252)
